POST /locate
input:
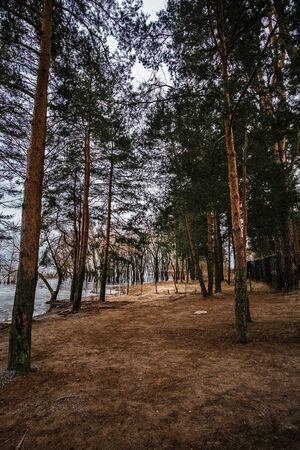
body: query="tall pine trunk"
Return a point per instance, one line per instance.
(84, 235)
(107, 237)
(241, 296)
(76, 244)
(20, 331)
(223, 46)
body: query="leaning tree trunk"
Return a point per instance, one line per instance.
(241, 296)
(107, 237)
(20, 330)
(84, 235)
(56, 290)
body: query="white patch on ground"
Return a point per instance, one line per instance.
(201, 311)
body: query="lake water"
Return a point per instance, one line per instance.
(42, 296)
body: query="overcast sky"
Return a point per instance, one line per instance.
(150, 7)
(153, 6)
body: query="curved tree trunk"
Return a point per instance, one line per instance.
(56, 290)
(20, 330)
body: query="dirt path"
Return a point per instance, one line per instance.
(147, 373)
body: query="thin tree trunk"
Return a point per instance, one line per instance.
(76, 243)
(95, 287)
(220, 247)
(174, 278)
(218, 254)
(245, 210)
(127, 279)
(187, 269)
(56, 290)
(156, 272)
(48, 285)
(195, 258)
(107, 237)
(84, 235)
(19, 353)
(210, 255)
(229, 254)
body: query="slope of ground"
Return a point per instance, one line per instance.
(146, 372)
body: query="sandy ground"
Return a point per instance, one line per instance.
(146, 372)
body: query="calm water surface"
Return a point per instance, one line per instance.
(42, 296)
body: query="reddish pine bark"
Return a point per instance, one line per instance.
(20, 331)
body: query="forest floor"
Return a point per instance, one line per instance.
(146, 372)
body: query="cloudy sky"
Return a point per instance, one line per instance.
(152, 6)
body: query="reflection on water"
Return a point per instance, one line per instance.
(42, 296)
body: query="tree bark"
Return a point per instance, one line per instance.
(245, 210)
(223, 46)
(107, 237)
(195, 258)
(241, 296)
(20, 331)
(76, 245)
(84, 235)
(287, 259)
(210, 255)
(56, 290)
(228, 262)
(218, 254)
(220, 247)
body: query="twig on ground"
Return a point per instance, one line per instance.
(20, 444)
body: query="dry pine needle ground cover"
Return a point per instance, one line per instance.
(145, 372)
